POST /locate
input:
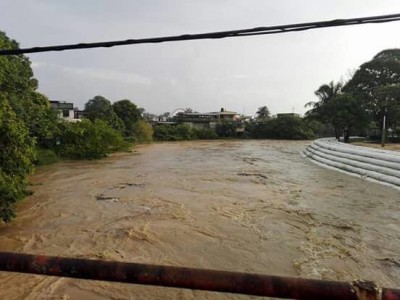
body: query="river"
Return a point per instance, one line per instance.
(247, 206)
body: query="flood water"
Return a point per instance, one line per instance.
(247, 206)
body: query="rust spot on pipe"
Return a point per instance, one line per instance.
(367, 290)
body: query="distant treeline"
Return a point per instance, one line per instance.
(285, 127)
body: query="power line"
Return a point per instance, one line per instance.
(212, 35)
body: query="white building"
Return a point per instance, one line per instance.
(65, 110)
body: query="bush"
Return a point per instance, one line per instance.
(45, 157)
(16, 156)
(179, 132)
(142, 132)
(287, 128)
(89, 140)
(226, 129)
(204, 133)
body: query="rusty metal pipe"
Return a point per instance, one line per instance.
(178, 277)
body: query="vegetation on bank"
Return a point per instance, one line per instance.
(182, 132)
(25, 120)
(16, 156)
(289, 127)
(31, 133)
(285, 127)
(360, 105)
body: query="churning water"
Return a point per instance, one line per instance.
(247, 206)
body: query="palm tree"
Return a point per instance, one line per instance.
(263, 113)
(325, 93)
(320, 109)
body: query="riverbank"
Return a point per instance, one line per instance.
(388, 146)
(376, 165)
(247, 206)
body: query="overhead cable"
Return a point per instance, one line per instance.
(211, 35)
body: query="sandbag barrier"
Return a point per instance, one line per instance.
(380, 165)
(198, 279)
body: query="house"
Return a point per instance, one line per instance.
(208, 120)
(66, 110)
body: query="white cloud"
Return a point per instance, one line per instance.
(109, 75)
(97, 73)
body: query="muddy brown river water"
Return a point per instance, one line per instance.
(247, 206)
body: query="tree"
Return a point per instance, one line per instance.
(43, 122)
(142, 132)
(388, 105)
(263, 113)
(285, 127)
(346, 114)
(226, 129)
(128, 113)
(100, 108)
(25, 117)
(88, 140)
(179, 132)
(320, 110)
(16, 156)
(325, 94)
(370, 80)
(18, 86)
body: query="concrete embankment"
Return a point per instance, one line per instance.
(379, 165)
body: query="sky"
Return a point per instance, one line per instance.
(239, 74)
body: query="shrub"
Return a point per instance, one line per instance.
(45, 157)
(89, 140)
(179, 132)
(287, 127)
(204, 133)
(16, 156)
(226, 129)
(142, 132)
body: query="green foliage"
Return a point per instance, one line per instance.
(346, 112)
(342, 110)
(89, 140)
(25, 116)
(371, 79)
(16, 75)
(128, 113)
(373, 92)
(263, 113)
(388, 104)
(226, 129)
(42, 121)
(18, 86)
(286, 127)
(179, 132)
(45, 157)
(142, 132)
(16, 156)
(100, 108)
(204, 133)
(182, 132)
(320, 110)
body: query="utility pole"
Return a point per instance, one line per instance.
(383, 130)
